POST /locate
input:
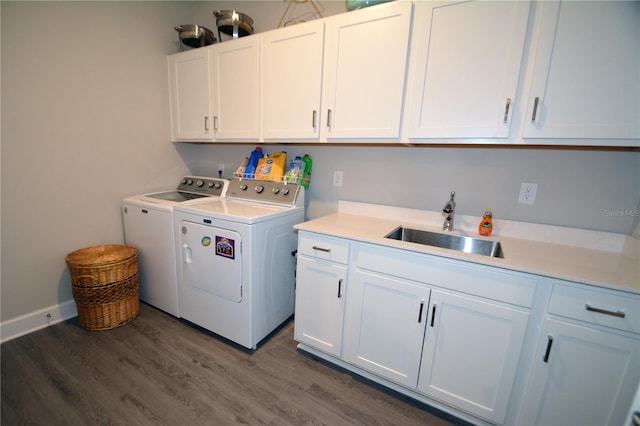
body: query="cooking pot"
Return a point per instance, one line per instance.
(233, 23)
(195, 35)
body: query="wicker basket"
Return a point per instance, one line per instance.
(105, 285)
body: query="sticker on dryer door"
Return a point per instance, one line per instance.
(225, 247)
(206, 241)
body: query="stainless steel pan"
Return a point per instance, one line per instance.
(195, 35)
(233, 23)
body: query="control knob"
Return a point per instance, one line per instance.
(199, 184)
(285, 191)
(243, 186)
(275, 190)
(259, 189)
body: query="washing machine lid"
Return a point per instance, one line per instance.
(238, 211)
(176, 196)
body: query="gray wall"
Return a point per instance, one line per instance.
(85, 122)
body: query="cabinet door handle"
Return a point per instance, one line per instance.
(619, 314)
(546, 353)
(340, 288)
(420, 312)
(215, 122)
(326, 250)
(206, 123)
(314, 119)
(535, 109)
(433, 314)
(506, 110)
(329, 118)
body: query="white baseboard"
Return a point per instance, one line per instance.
(33, 321)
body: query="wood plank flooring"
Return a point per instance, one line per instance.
(158, 370)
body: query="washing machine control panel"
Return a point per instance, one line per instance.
(265, 191)
(203, 185)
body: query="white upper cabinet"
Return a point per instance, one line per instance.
(292, 81)
(189, 97)
(236, 89)
(465, 65)
(585, 82)
(337, 79)
(365, 58)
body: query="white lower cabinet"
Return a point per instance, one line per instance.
(320, 304)
(585, 373)
(387, 318)
(321, 288)
(471, 353)
(489, 345)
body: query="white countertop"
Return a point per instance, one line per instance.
(589, 257)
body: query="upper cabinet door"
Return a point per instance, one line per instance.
(365, 61)
(189, 99)
(586, 71)
(236, 89)
(465, 65)
(292, 81)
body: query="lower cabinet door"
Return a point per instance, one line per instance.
(387, 319)
(471, 352)
(581, 376)
(320, 295)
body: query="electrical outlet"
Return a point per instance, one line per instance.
(337, 178)
(528, 193)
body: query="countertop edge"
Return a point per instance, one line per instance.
(618, 271)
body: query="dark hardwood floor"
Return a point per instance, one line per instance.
(160, 370)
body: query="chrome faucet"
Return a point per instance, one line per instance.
(448, 210)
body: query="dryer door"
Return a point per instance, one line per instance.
(211, 260)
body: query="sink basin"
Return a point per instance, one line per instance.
(448, 241)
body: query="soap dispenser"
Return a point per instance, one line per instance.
(486, 225)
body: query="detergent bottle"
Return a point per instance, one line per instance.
(263, 171)
(306, 176)
(295, 170)
(250, 168)
(279, 162)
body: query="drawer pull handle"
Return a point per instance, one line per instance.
(326, 250)
(619, 314)
(339, 288)
(506, 110)
(314, 119)
(433, 314)
(420, 313)
(535, 109)
(546, 353)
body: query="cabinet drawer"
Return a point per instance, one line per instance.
(491, 283)
(600, 307)
(323, 247)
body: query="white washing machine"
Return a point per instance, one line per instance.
(148, 226)
(235, 259)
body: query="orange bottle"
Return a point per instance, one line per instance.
(486, 225)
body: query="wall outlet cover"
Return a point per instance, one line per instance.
(337, 178)
(528, 193)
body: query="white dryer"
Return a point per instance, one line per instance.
(148, 226)
(235, 259)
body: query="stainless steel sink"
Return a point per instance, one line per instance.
(448, 241)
